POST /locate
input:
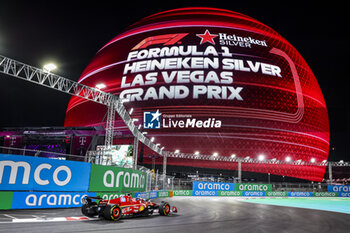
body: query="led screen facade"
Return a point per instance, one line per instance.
(213, 81)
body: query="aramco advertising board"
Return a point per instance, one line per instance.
(213, 81)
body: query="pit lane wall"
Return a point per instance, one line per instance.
(30, 182)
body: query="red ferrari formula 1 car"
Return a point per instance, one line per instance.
(123, 206)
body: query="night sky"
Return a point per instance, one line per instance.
(69, 34)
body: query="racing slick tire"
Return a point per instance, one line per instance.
(112, 212)
(88, 211)
(164, 209)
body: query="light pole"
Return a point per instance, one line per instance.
(49, 66)
(330, 175)
(239, 171)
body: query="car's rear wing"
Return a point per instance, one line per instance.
(95, 198)
(88, 199)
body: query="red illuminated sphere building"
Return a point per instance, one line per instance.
(223, 82)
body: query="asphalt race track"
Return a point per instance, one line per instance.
(196, 214)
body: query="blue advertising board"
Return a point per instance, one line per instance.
(339, 188)
(342, 194)
(143, 195)
(37, 200)
(253, 193)
(300, 194)
(204, 193)
(42, 174)
(210, 188)
(153, 194)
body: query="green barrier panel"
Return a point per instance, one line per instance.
(253, 187)
(6, 200)
(110, 196)
(116, 179)
(276, 194)
(163, 193)
(230, 193)
(325, 194)
(182, 192)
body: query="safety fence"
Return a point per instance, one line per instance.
(208, 189)
(175, 193)
(186, 184)
(52, 153)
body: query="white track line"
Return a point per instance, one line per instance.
(57, 219)
(9, 216)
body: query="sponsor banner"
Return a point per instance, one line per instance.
(253, 187)
(165, 193)
(144, 195)
(300, 194)
(204, 193)
(326, 194)
(42, 174)
(37, 200)
(114, 179)
(110, 196)
(276, 194)
(6, 200)
(153, 194)
(339, 188)
(182, 192)
(230, 193)
(253, 194)
(212, 186)
(343, 194)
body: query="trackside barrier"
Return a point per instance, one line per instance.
(31, 182)
(342, 190)
(182, 193)
(276, 194)
(31, 200)
(42, 174)
(154, 194)
(253, 187)
(300, 194)
(6, 200)
(116, 179)
(217, 189)
(176, 193)
(230, 193)
(339, 188)
(326, 194)
(45, 200)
